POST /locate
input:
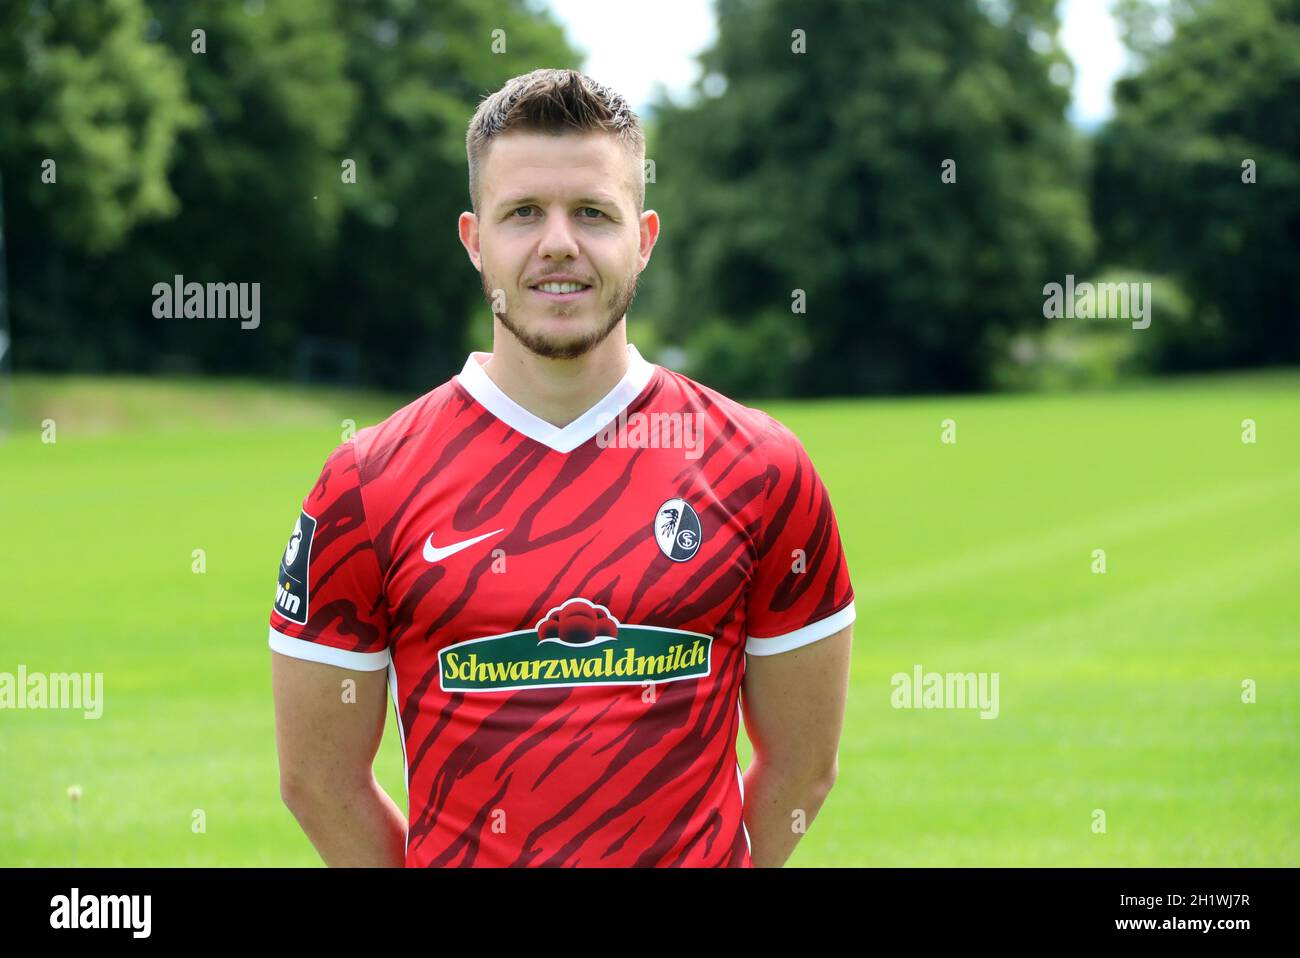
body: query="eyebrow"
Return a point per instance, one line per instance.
(518, 201)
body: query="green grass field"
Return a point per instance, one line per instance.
(1120, 692)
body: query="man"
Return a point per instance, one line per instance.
(566, 604)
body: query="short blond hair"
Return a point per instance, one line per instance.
(554, 101)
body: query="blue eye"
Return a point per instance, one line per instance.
(592, 209)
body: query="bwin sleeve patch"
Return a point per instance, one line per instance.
(291, 593)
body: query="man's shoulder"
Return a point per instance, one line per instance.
(374, 447)
(724, 413)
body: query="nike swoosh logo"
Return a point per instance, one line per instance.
(433, 553)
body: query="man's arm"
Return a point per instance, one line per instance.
(327, 743)
(793, 703)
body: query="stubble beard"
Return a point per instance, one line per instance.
(551, 348)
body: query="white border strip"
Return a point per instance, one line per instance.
(749, 847)
(809, 633)
(565, 439)
(327, 654)
(406, 766)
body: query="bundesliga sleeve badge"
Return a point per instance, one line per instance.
(291, 589)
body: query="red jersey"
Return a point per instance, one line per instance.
(565, 612)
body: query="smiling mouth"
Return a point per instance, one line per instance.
(561, 297)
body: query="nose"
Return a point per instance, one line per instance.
(558, 237)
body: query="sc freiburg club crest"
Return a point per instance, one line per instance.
(677, 530)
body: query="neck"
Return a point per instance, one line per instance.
(556, 390)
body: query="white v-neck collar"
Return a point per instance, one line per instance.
(560, 438)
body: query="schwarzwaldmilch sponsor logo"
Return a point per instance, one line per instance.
(576, 643)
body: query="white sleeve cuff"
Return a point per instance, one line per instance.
(327, 654)
(809, 633)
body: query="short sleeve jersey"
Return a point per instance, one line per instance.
(565, 612)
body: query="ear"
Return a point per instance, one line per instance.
(649, 235)
(468, 230)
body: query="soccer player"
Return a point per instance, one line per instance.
(571, 569)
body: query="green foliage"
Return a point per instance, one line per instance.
(399, 286)
(760, 361)
(246, 143)
(1075, 353)
(814, 174)
(821, 171)
(80, 85)
(254, 177)
(1169, 191)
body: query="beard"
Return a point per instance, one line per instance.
(550, 347)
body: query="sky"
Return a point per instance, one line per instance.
(1090, 37)
(662, 47)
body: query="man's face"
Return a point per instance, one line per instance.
(558, 206)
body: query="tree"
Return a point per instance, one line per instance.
(80, 85)
(1216, 103)
(398, 283)
(90, 113)
(255, 177)
(217, 141)
(821, 172)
